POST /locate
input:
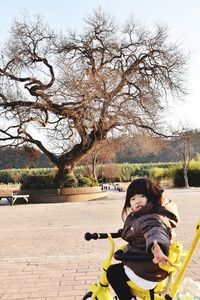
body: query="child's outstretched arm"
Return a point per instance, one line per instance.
(159, 256)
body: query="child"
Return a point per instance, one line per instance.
(149, 219)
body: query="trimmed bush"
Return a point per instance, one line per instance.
(126, 172)
(143, 171)
(157, 173)
(193, 175)
(5, 177)
(69, 180)
(83, 181)
(37, 182)
(94, 181)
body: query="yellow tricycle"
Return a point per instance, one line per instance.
(165, 290)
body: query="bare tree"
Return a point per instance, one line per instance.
(111, 171)
(101, 153)
(66, 93)
(183, 148)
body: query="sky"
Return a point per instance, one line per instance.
(181, 16)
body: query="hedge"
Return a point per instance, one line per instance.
(127, 172)
(193, 175)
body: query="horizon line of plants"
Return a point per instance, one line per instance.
(44, 177)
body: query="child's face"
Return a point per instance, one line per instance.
(137, 202)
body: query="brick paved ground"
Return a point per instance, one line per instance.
(43, 255)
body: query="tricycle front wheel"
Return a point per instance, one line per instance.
(88, 296)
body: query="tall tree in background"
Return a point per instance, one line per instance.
(184, 148)
(101, 153)
(67, 93)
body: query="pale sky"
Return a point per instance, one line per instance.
(181, 16)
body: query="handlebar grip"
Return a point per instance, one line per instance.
(94, 236)
(91, 236)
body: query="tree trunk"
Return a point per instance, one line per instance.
(94, 162)
(62, 171)
(185, 176)
(66, 163)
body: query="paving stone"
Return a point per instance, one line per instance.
(43, 254)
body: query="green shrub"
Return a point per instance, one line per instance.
(83, 181)
(143, 171)
(37, 182)
(193, 176)
(69, 180)
(157, 173)
(94, 181)
(126, 172)
(16, 175)
(5, 177)
(194, 173)
(170, 172)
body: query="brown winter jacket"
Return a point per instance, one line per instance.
(141, 229)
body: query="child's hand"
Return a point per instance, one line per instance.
(159, 256)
